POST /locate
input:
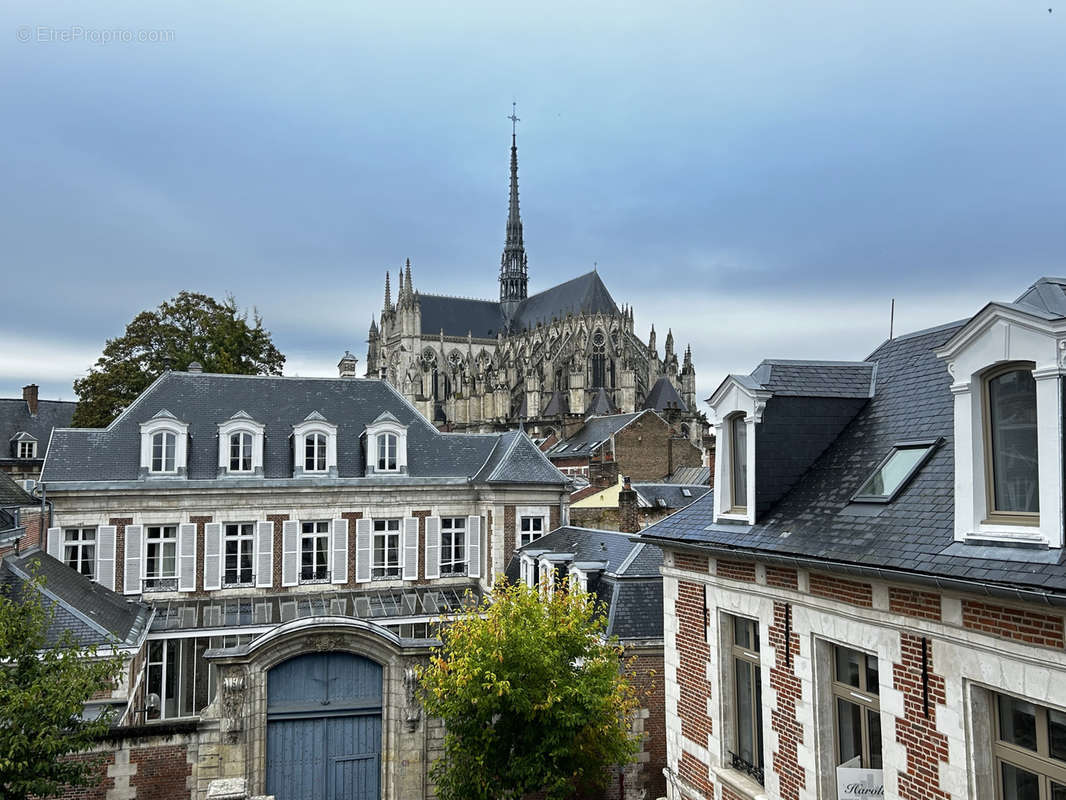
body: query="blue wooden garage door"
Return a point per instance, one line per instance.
(324, 728)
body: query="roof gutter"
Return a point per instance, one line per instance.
(1000, 591)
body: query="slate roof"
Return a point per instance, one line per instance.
(95, 615)
(630, 584)
(15, 417)
(203, 400)
(913, 536)
(854, 379)
(664, 396)
(600, 404)
(458, 316)
(516, 459)
(673, 494)
(695, 476)
(595, 431)
(11, 494)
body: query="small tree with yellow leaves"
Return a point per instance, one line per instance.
(532, 696)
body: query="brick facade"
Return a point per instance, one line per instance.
(1021, 625)
(120, 524)
(351, 516)
(163, 772)
(693, 562)
(833, 588)
(279, 544)
(736, 570)
(199, 522)
(694, 688)
(782, 577)
(783, 720)
(913, 603)
(648, 449)
(916, 730)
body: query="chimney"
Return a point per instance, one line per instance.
(29, 394)
(346, 366)
(628, 515)
(711, 452)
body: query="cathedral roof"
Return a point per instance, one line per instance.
(663, 396)
(600, 404)
(457, 316)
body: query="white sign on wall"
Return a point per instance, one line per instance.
(859, 784)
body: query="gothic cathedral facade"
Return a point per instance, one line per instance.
(546, 361)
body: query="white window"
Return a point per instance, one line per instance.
(746, 746)
(161, 557)
(895, 471)
(314, 552)
(386, 549)
(530, 528)
(857, 709)
(240, 452)
(27, 449)
(164, 446)
(453, 546)
(79, 550)
(1013, 481)
(738, 462)
(387, 452)
(238, 543)
(315, 452)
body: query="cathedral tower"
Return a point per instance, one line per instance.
(513, 276)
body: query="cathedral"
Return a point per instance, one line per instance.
(546, 361)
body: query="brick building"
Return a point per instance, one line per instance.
(296, 540)
(872, 601)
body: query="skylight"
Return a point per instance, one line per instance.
(686, 493)
(894, 472)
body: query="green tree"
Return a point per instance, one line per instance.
(532, 697)
(43, 690)
(190, 327)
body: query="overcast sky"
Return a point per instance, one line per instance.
(761, 177)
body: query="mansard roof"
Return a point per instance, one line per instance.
(203, 400)
(11, 494)
(15, 418)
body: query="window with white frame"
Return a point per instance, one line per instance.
(1029, 747)
(315, 452)
(387, 452)
(746, 747)
(161, 556)
(27, 449)
(314, 551)
(238, 556)
(240, 452)
(529, 529)
(164, 445)
(856, 709)
(738, 462)
(79, 550)
(453, 546)
(386, 545)
(1011, 465)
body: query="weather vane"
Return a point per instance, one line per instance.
(514, 118)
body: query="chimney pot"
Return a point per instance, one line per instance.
(29, 394)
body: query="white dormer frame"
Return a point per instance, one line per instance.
(240, 423)
(165, 422)
(314, 423)
(386, 424)
(1000, 335)
(22, 438)
(729, 400)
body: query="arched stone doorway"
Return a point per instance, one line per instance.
(324, 728)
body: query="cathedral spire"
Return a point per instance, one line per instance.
(513, 275)
(410, 296)
(388, 293)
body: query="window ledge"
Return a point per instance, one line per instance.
(742, 784)
(1007, 534)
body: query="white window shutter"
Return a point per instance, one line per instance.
(410, 548)
(340, 551)
(133, 568)
(290, 553)
(363, 555)
(105, 556)
(473, 547)
(187, 558)
(432, 547)
(212, 556)
(264, 554)
(54, 547)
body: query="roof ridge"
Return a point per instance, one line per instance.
(458, 297)
(629, 559)
(510, 449)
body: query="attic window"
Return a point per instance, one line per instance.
(686, 493)
(895, 471)
(661, 502)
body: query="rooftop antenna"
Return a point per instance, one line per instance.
(892, 319)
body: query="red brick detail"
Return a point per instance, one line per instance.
(729, 794)
(351, 516)
(736, 570)
(98, 789)
(858, 594)
(120, 524)
(694, 690)
(692, 562)
(645, 671)
(421, 515)
(199, 522)
(926, 746)
(914, 603)
(508, 534)
(782, 577)
(162, 772)
(785, 760)
(279, 553)
(696, 774)
(1021, 625)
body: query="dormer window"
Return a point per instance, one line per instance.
(386, 452)
(164, 444)
(738, 462)
(315, 446)
(240, 446)
(163, 447)
(315, 452)
(27, 449)
(1011, 436)
(23, 445)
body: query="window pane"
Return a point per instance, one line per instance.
(1058, 791)
(739, 447)
(745, 711)
(872, 684)
(873, 723)
(1017, 722)
(742, 632)
(1012, 423)
(847, 666)
(888, 478)
(849, 733)
(1056, 721)
(1019, 784)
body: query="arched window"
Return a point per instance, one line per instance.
(240, 452)
(387, 452)
(163, 444)
(1011, 440)
(599, 360)
(738, 461)
(315, 452)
